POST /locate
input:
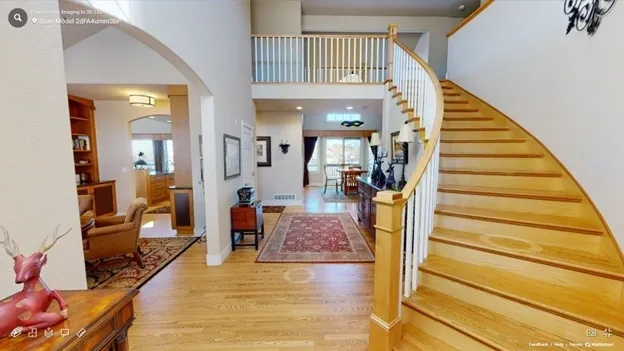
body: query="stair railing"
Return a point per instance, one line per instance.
(318, 58)
(405, 219)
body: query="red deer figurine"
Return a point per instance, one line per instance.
(27, 308)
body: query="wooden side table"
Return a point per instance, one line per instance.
(246, 220)
(98, 321)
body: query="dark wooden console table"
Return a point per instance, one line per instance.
(367, 209)
(246, 220)
(105, 315)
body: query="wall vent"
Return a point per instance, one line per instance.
(284, 197)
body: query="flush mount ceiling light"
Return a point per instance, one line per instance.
(351, 123)
(349, 107)
(168, 121)
(142, 100)
(152, 117)
(299, 108)
(462, 7)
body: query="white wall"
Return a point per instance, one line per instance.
(319, 122)
(224, 25)
(285, 176)
(37, 162)
(422, 48)
(565, 90)
(437, 27)
(113, 57)
(149, 126)
(114, 142)
(276, 16)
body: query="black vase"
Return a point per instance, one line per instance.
(246, 195)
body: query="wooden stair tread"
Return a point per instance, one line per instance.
(565, 302)
(468, 118)
(492, 329)
(460, 109)
(459, 102)
(475, 129)
(513, 193)
(502, 172)
(493, 155)
(418, 340)
(483, 141)
(520, 218)
(450, 93)
(576, 260)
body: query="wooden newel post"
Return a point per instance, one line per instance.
(385, 323)
(392, 35)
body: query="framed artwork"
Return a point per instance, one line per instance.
(231, 156)
(263, 151)
(398, 151)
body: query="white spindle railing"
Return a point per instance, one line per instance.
(419, 85)
(319, 59)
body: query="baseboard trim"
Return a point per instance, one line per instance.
(282, 202)
(218, 259)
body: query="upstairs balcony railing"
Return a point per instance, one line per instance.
(319, 58)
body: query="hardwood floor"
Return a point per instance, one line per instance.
(243, 305)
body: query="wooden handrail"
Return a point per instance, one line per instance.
(470, 17)
(373, 36)
(430, 145)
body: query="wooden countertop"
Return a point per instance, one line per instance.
(104, 314)
(95, 183)
(370, 182)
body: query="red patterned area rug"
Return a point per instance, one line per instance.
(316, 238)
(118, 273)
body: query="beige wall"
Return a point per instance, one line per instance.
(179, 105)
(37, 184)
(275, 16)
(285, 176)
(114, 141)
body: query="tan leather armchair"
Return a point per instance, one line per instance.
(85, 206)
(116, 235)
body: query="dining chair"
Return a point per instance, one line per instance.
(332, 175)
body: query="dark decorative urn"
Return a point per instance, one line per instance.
(246, 195)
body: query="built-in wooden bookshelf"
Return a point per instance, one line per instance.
(82, 119)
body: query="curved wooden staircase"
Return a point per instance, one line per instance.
(518, 258)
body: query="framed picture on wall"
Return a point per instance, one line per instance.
(231, 156)
(263, 151)
(398, 151)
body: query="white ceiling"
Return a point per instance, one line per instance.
(313, 107)
(441, 8)
(117, 92)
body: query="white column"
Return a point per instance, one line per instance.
(37, 184)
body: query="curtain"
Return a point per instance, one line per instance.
(373, 148)
(159, 151)
(309, 143)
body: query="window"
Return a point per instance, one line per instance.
(147, 147)
(168, 159)
(339, 117)
(343, 151)
(313, 165)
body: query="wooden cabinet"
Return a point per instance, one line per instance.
(153, 187)
(104, 197)
(367, 209)
(246, 219)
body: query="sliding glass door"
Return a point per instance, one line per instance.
(347, 151)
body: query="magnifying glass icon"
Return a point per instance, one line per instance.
(17, 17)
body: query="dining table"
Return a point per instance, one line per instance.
(349, 179)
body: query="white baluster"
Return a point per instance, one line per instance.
(360, 57)
(402, 271)
(325, 61)
(331, 60)
(349, 69)
(383, 61)
(367, 63)
(342, 73)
